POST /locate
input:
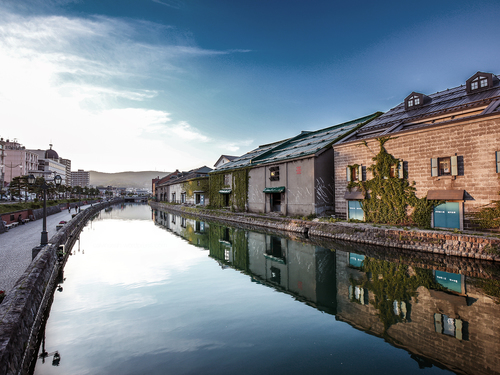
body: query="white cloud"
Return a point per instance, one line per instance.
(70, 81)
(235, 146)
(185, 131)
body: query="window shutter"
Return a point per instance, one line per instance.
(360, 173)
(348, 174)
(454, 166)
(498, 161)
(400, 169)
(438, 323)
(434, 167)
(458, 329)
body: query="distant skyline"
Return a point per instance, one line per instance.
(140, 85)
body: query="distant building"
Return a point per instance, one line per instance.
(2, 167)
(67, 163)
(80, 178)
(224, 159)
(160, 187)
(17, 160)
(189, 187)
(50, 165)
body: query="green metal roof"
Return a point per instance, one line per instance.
(225, 191)
(307, 143)
(279, 189)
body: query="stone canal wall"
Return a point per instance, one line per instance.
(440, 242)
(22, 310)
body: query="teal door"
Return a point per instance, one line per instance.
(356, 210)
(447, 215)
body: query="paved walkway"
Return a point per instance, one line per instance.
(17, 243)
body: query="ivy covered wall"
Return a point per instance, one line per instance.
(238, 183)
(477, 174)
(196, 184)
(389, 196)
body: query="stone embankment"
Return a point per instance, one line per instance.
(470, 245)
(23, 309)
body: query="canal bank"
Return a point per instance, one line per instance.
(22, 310)
(442, 242)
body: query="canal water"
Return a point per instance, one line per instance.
(150, 292)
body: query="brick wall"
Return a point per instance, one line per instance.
(473, 141)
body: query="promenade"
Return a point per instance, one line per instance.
(16, 246)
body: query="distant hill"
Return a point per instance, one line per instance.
(138, 180)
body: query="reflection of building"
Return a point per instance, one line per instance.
(304, 271)
(194, 231)
(447, 325)
(440, 318)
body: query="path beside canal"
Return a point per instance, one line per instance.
(16, 246)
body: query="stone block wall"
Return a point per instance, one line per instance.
(438, 242)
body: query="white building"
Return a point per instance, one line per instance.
(80, 178)
(50, 165)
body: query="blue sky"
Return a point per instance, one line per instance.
(173, 84)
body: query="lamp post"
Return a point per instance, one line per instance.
(57, 180)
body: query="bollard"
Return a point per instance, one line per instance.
(35, 251)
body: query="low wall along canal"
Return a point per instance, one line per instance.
(431, 241)
(22, 310)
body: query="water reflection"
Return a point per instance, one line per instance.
(443, 311)
(178, 295)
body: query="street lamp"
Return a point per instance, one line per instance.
(57, 180)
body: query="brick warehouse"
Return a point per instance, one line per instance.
(448, 143)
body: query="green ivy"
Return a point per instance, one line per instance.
(391, 282)
(216, 184)
(196, 184)
(239, 189)
(387, 199)
(488, 217)
(238, 241)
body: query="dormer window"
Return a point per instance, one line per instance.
(479, 81)
(414, 100)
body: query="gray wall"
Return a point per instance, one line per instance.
(309, 186)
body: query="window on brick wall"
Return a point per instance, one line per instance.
(354, 173)
(497, 156)
(227, 179)
(445, 166)
(397, 170)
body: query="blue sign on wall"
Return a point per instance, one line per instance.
(447, 215)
